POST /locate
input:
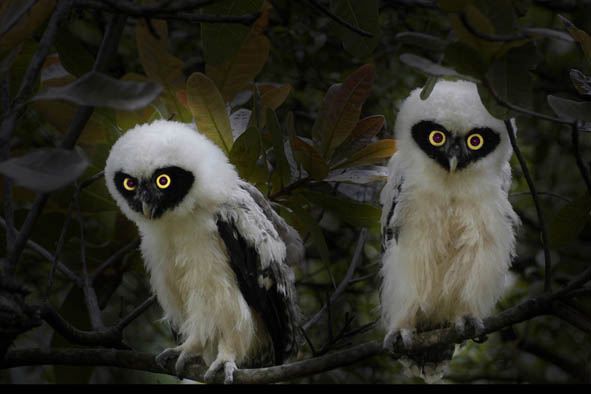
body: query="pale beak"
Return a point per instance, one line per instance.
(453, 163)
(148, 210)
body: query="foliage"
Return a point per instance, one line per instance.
(302, 98)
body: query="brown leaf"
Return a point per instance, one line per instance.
(379, 150)
(309, 158)
(361, 135)
(235, 75)
(344, 107)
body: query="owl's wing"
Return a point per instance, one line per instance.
(293, 242)
(388, 198)
(258, 258)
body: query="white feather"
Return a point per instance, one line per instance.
(455, 230)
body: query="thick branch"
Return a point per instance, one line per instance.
(527, 310)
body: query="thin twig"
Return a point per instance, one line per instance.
(58, 250)
(345, 282)
(115, 258)
(338, 19)
(135, 313)
(549, 194)
(583, 168)
(488, 37)
(523, 110)
(171, 13)
(47, 255)
(534, 194)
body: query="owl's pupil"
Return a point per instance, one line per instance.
(475, 141)
(162, 181)
(437, 138)
(129, 183)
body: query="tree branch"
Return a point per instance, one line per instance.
(160, 11)
(337, 19)
(344, 283)
(526, 310)
(541, 220)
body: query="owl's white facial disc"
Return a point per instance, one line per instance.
(453, 128)
(164, 168)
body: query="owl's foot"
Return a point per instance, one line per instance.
(167, 355)
(229, 367)
(182, 355)
(393, 338)
(469, 326)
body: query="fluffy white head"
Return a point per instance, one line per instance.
(149, 147)
(457, 107)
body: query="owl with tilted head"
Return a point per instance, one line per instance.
(217, 254)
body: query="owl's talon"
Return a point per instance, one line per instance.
(229, 368)
(166, 356)
(394, 338)
(469, 325)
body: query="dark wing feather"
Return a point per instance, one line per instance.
(272, 306)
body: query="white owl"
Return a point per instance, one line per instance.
(215, 250)
(447, 225)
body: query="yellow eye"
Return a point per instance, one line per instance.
(475, 141)
(163, 181)
(129, 184)
(437, 138)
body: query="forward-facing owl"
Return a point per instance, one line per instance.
(216, 252)
(447, 225)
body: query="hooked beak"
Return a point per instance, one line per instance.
(453, 163)
(148, 210)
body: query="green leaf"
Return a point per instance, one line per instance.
(46, 169)
(341, 108)
(428, 88)
(377, 151)
(100, 90)
(569, 109)
(74, 56)
(581, 82)
(282, 165)
(19, 20)
(422, 40)
(426, 66)
(491, 104)
(510, 77)
(208, 108)
(158, 63)
(309, 158)
(13, 12)
(310, 225)
(566, 225)
(583, 38)
(353, 212)
(222, 40)
(364, 131)
(246, 151)
(363, 15)
(465, 60)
